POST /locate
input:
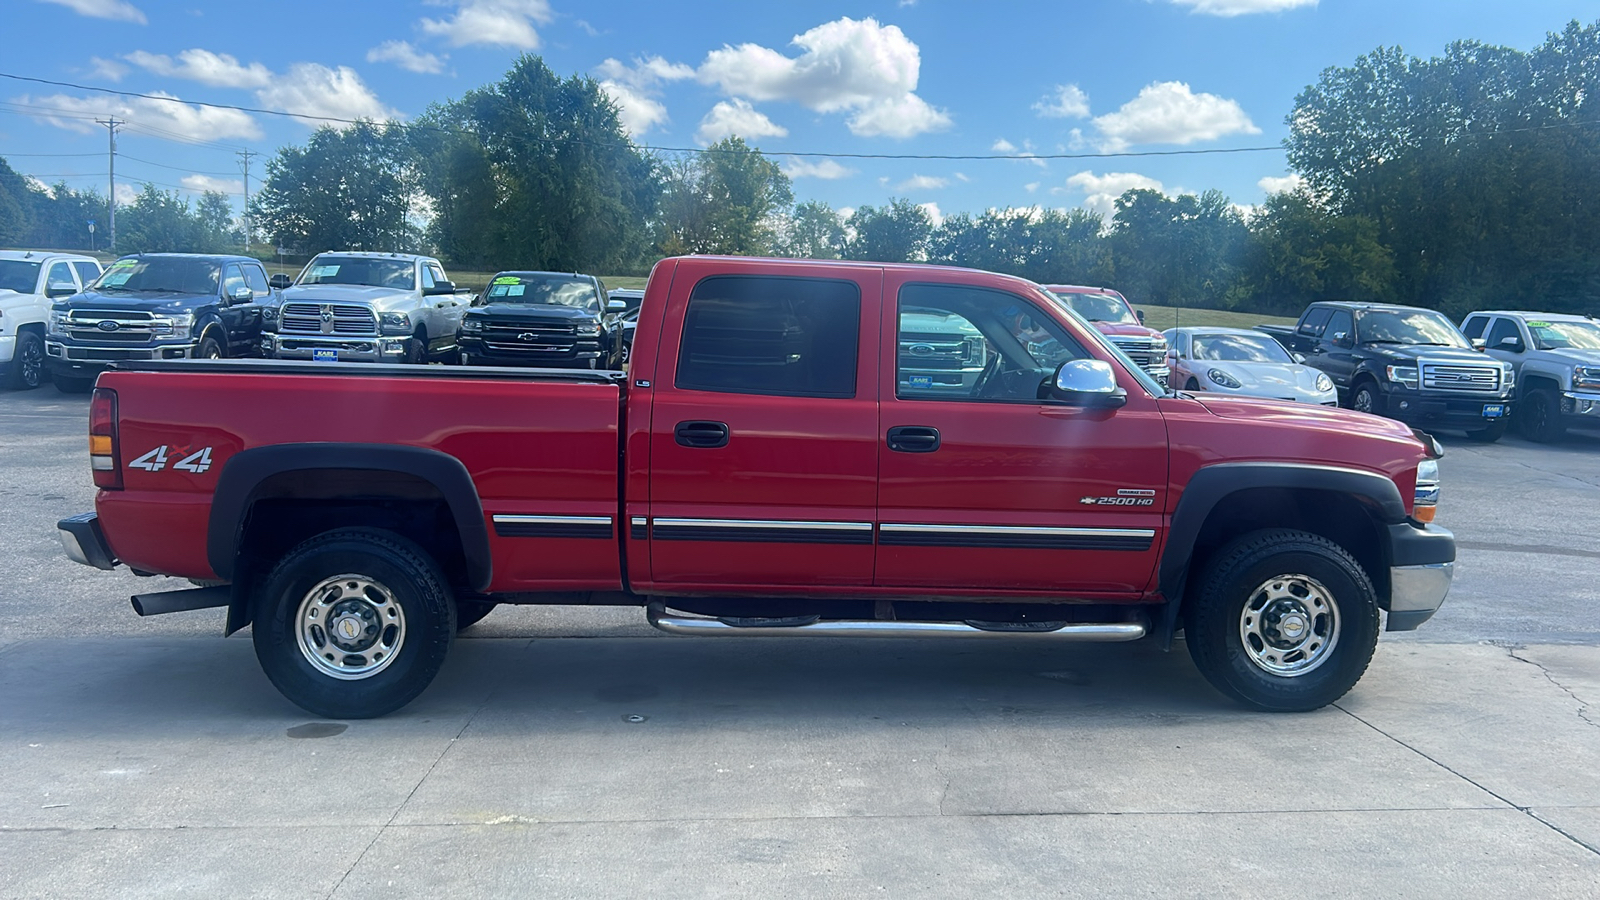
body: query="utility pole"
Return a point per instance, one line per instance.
(244, 162)
(111, 125)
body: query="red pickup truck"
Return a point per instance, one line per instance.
(782, 458)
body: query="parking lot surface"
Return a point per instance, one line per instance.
(575, 752)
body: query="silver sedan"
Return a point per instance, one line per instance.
(1248, 363)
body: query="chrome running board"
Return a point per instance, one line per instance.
(1100, 632)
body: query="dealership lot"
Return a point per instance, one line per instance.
(578, 751)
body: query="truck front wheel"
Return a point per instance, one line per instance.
(353, 623)
(1284, 621)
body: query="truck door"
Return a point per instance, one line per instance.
(1335, 350)
(763, 460)
(983, 487)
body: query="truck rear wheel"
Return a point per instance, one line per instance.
(1284, 621)
(353, 623)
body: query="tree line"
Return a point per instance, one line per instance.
(1467, 180)
(57, 217)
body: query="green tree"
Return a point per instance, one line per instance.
(898, 232)
(1047, 246)
(1301, 252)
(346, 188)
(813, 230)
(1177, 252)
(16, 206)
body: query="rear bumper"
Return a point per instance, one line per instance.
(84, 542)
(1423, 563)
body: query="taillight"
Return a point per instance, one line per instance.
(104, 456)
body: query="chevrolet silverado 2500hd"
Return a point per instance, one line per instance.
(775, 462)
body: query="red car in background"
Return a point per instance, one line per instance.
(1115, 317)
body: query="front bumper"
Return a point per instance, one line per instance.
(1581, 406)
(8, 348)
(1422, 565)
(557, 352)
(346, 349)
(84, 542)
(77, 357)
(1448, 410)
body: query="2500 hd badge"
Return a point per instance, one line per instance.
(1124, 497)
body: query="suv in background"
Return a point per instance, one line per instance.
(368, 307)
(154, 306)
(29, 281)
(1113, 316)
(544, 319)
(1557, 360)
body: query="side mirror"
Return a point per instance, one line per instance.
(243, 294)
(1341, 339)
(280, 281)
(60, 289)
(616, 305)
(1087, 382)
(1298, 357)
(1514, 344)
(1172, 354)
(439, 287)
(1140, 314)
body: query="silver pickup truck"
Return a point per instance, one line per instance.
(368, 307)
(1557, 358)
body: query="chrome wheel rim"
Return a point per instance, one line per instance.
(32, 364)
(1289, 625)
(350, 627)
(1362, 402)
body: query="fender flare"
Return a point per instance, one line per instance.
(244, 472)
(1212, 484)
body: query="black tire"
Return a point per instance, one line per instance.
(326, 579)
(27, 363)
(1365, 398)
(1539, 416)
(471, 612)
(1287, 578)
(209, 348)
(417, 349)
(1489, 435)
(73, 384)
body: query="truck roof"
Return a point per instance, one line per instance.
(1361, 304)
(365, 254)
(218, 257)
(1526, 314)
(41, 255)
(767, 262)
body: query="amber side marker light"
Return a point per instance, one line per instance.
(105, 457)
(1425, 502)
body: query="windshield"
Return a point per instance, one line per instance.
(368, 271)
(549, 290)
(1566, 335)
(1239, 348)
(160, 274)
(1098, 307)
(1150, 384)
(1416, 326)
(18, 275)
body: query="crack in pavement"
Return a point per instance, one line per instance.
(1583, 706)
(1525, 810)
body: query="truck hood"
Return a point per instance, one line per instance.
(1125, 329)
(378, 298)
(167, 302)
(1420, 351)
(1305, 415)
(1565, 354)
(531, 311)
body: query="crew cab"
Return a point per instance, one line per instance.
(1557, 361)
(553, 319)
(29, 281)
(153, 306)
(368, 307)
(765, 469)
(1406, 363)
(1115, 317)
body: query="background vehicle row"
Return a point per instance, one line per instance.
(29, 282)
(1557, 363)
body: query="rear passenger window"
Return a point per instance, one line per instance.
(87, 271)
(1503, 328)
(792, 337)
(1473, 328)
(1315, 321)
(257, 279)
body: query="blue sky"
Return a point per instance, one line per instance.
(920, 77)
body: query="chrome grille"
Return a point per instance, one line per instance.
(131, 327)
(307, 318)
(924, 352)
(541, 326)
(1442, 377)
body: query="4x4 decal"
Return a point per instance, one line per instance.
(196, 462)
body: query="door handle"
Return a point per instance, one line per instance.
(701, 435)
(913, 439)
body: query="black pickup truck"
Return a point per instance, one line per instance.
(1406, 363)
(156, 306)
(543, 319)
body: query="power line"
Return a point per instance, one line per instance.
(174, 168)
(52, 155)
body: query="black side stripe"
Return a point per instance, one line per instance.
(553, 527)
(759, 535)
(1016, 541)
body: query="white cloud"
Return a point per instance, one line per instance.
(827, 169)
(1101, 191)
(1069, 102)
(736, 117)
(644, 72)
(215, 69)
(39, 185)
(118, 10)
(1168, 112)
(1024, 152)
(199, 122)
(844, 65)
(935, 217)
(923, 183)
(1275, 185)
(633, 90)
(106, 69)
(1031, 186)
(1004, 146)
(203, 183)
(312, 89)
(498, 23)
(126, 193)
(637, 112)
(1230, 8)
(407, 57)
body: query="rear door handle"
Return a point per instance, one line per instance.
(701, 435)
(913, 438)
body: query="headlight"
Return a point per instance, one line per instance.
(1510, 378)
(395, 323)
(58, 320)
(1324, 383)
(588, 330)
(1426, 501)
(1406, 375)
(1586, 377)
(269, 314)
(471, 324)
(174, 324)
(1223, 378)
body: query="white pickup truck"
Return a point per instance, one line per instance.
(367, 307)
(29, 281)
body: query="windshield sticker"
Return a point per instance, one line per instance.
(118, 274)
(1539, 325)
(516, 290)
(324, 271)
(508, 279)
